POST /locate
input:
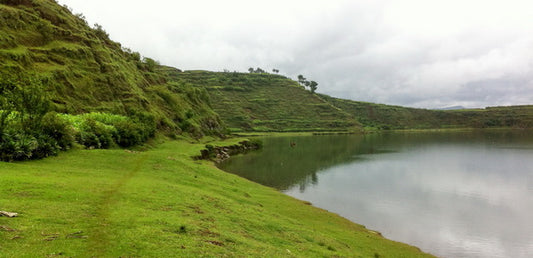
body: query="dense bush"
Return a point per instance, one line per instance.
(29, 130)
(129, 134)
(59, 129)
(16, 145)
(102, 130)
(95, 135)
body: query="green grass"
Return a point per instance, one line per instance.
(266, 103)
(161, 203)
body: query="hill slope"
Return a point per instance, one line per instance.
(381, 116)
(266, 102)
(83, 70)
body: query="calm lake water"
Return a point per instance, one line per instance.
(459, 194)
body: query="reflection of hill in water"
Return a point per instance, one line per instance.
(281, 166)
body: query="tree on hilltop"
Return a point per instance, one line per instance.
(313, 86)
(301, 79)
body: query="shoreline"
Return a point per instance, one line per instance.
(112, 203)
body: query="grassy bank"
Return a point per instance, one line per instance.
(161, 203)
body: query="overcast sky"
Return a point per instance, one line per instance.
(418, 53)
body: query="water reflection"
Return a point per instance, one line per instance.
(454, 194)
(282, 166)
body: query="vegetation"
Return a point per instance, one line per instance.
(82, 70)
(65, 84)
(305, 83)
(29, 129)
(266, 102)
(386, 117)
(162, 203)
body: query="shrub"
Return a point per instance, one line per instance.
(102, 130)
(128, 134)
(46, 146)
(95, 135)
(18, 145)
(59, 129)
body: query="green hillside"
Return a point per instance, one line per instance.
(83, 70)
(384, 117)
(266, 102)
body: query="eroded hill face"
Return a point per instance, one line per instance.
(83, 70)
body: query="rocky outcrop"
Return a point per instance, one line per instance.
(221, 153)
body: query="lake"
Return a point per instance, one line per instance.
(453, 194)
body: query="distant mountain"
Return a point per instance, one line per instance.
(452, 108)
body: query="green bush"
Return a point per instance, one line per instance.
(46, 146)
(102, 130)
(15, 146)
(129, 134)
(27, 129)
(59, 129)
(95, 135)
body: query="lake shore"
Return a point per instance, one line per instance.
(161, 202)
(413, 185)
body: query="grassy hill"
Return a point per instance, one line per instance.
(266, 102)
(83, 70)
(384, 117)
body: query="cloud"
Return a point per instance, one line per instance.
(411, 52)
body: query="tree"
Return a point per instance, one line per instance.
(251, 70)
(150, 64)
(304, 82)
(275, 70)
(100, 32)
(301, 80)
(313, 86)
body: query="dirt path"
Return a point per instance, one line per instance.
(99, 239)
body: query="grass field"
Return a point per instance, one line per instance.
(162, 203)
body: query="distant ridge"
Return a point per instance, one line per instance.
(451, 108)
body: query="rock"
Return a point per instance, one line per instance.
(9, 214)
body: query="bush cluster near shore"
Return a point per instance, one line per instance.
(29, 129)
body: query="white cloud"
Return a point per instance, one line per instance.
(410, 52)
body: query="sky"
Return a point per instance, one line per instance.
(416, 53)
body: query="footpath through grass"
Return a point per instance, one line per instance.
(161, 203)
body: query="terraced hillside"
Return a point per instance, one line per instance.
(379, 116)
(266, 102)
